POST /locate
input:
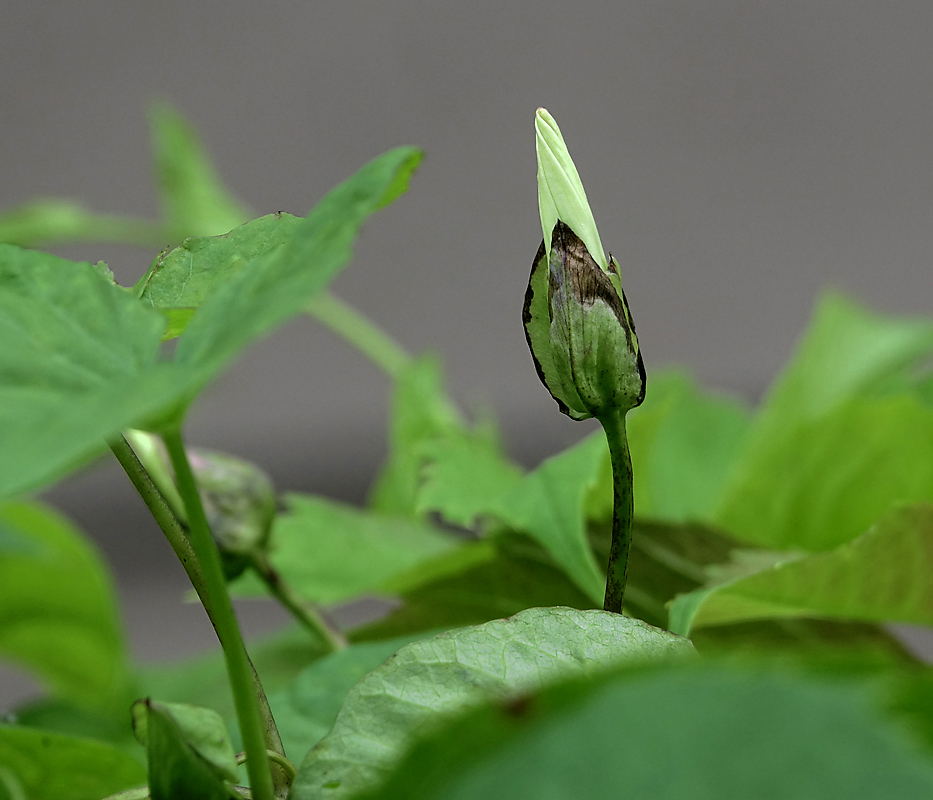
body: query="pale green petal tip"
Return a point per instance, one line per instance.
(560, 191)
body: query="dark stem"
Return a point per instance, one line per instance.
(622, 511)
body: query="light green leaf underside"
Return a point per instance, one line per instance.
(434, 679)
(179, 281)
(329, 552)
(825, 481)
(305, 711)
(58, 610)
(50, 766)
(884, 575)
(702, 733)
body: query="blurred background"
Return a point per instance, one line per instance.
(740, 157)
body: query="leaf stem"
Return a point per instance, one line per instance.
(225, 622)
(360, 331)
(307, 615)
(622, 510)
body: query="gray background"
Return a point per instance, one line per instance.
(739, 157)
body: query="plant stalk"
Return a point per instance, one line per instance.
(360, 331)
(305, 614)
(225, 623)
(623, 508)
(174, 532)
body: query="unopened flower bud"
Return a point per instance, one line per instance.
(576, 317)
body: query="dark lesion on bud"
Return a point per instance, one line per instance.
(563, 279)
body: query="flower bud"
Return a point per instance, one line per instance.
(576, 317)
(239, 502)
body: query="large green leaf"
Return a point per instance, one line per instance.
(180, 279)
(254, 301)
(327, 551)
(193, 199)
(49, 766)
(430, 680)
(697, 732)
(78, 362)
(884, 575)
(549, 506)
(305, 711)
(58, 611)
(827, 480)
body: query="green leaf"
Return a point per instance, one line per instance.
(487, 580)
(78, 355)
(305, 711)
(255, 301)
(58, 611)
(700, 732)
(548, 505)
(884, 575)
(78, 362)
(683, 458)
(180, 279)
(825, 481)
(193, 199)
(176, 768)
(465, 478)
(327, 551)
(421, 414)
(847, 352)
(202, 729)
(49, 766)
(278, 658)
(431, 680)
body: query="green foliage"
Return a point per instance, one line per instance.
(182, 278)
(188, 750)
(701, 731)
(435, 678)
(329, 552)
(882, 576)
(39, 765)
(801, 527)
(58, 611)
